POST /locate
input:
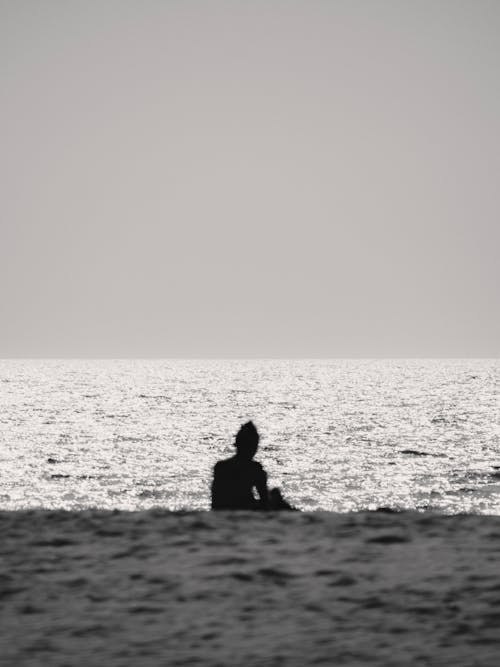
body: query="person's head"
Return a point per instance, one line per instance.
(247, 440)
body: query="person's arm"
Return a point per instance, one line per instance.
(215, 488)
(261, 486)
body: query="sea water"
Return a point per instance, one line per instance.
(336, 435)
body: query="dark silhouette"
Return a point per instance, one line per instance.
(236, 478)
(277, 502)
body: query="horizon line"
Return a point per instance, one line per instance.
(249, 358)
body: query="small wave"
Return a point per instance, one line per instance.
(159, 397)
(151, 493)
(417, 452)
(132, 438)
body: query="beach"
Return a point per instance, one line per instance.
(250, 334)
(204, 588)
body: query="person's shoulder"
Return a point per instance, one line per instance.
(224, 463)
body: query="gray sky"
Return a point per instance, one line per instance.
(250, 178)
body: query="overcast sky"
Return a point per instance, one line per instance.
(250, 178)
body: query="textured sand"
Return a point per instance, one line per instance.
(157, 588)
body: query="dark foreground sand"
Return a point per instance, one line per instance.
(156, 588)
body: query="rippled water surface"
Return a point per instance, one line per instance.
(335, 435)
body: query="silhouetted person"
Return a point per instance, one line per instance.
(236, 478)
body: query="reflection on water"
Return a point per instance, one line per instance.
(336, 435)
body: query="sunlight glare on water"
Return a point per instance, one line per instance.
(336, 435)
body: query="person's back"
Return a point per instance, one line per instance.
(235, 478)
(234, 481)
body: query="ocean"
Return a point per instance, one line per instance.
(336, 435)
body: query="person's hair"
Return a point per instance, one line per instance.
(247, 437)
